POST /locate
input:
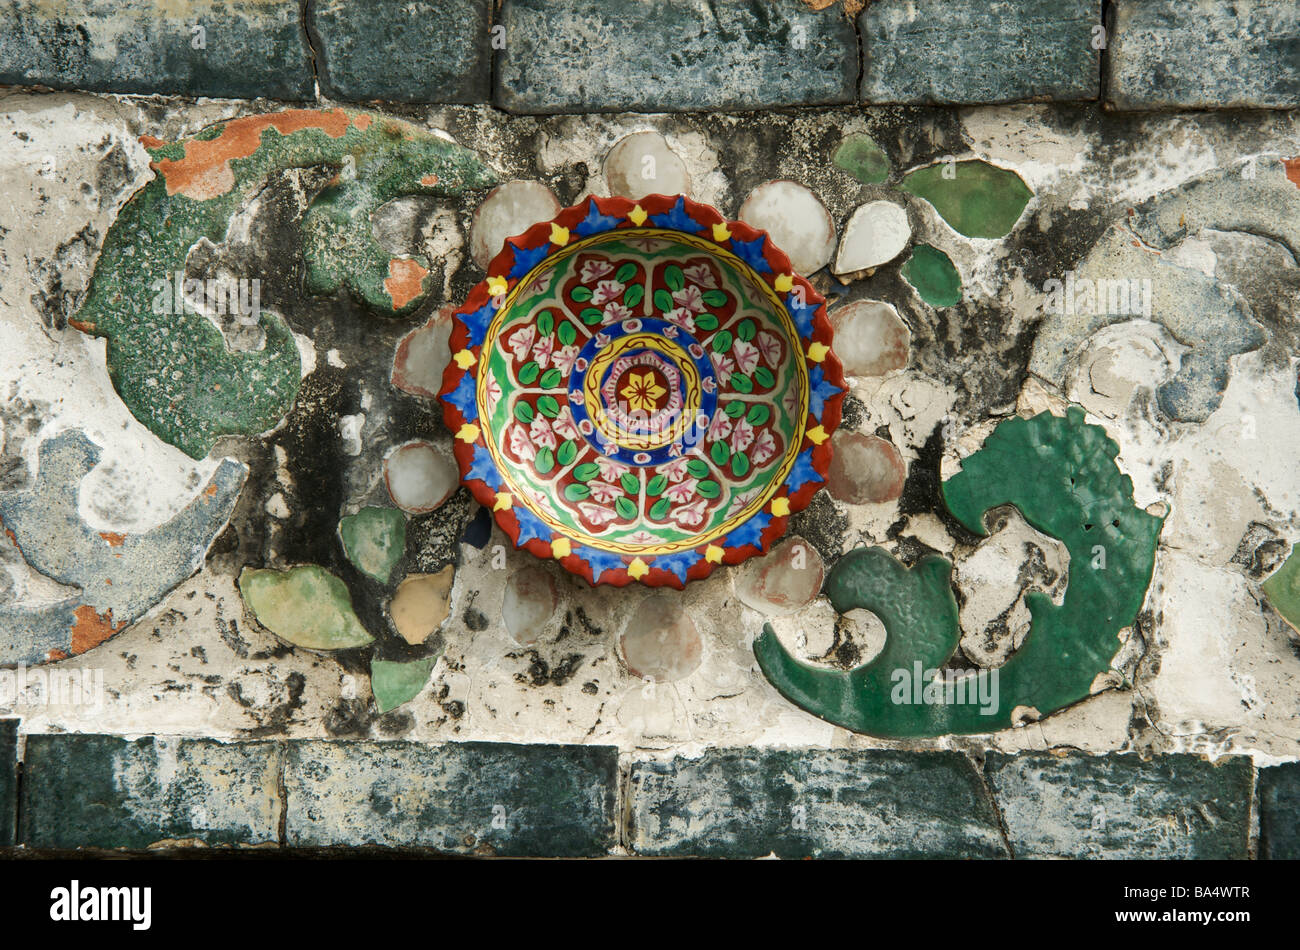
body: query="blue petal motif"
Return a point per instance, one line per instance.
(463, 398)
(677, 219)
(478, 322)
(819, 390)
(751, 252)
(525, 260)
(803, 472)
(595, 222)
(678, 563)
(600, 561)
(484, 469)
(530, 526)
(802, 313)
(750, 532)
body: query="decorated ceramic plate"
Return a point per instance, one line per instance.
(642, 390)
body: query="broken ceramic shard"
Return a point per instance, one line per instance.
(643, 164)
(931, 272)
(419, 476)
(660, 641)
(1282, 589)
(509, 209)
(306, 606)
(396, 682)
(794, 218)
(871, 339)
(174, 370)
(977, 199)
(875, 234)
(642, 390)
(374, 540)
(862, 158)
(865, 469)
(782, 581)
(116, 576)
(529, 604)
(422, 356)
(1062, 476)
(421, 603)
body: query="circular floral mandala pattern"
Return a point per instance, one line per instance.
(642, 390)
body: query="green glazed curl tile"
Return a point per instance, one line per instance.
(174, 371)
(1062, 476)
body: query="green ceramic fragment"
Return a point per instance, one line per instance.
(374, 539)
(394, 683)
(862, 158)
(1283, 588)
(173, 369)
(1061, 474)
(977, 199)
(306, 606)
(932, 273)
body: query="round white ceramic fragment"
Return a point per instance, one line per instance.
(643, 164)
(876, 233)
(529, 604)
(660, 641)
(797, 221)
(508, 211)
(871, 339)
(419, 476)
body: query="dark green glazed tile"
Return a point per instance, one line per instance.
(672, 55)
(1279, 812)
(973, 51)
(1118, 806)
(932, 273)
(748, 803)
(232, 48)
(8, 780)
(403, 50)
(83, 791)
(975, 198)
(1213, 54)
(464, 798)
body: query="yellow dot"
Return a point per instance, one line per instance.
(468, 432)
(504, 501)
(721, 232)
(559, 235)
(713, 554)
(637, 569)
(817, 352)
(465, 359)
(784, 282)
(818, 435)
(560, 548)
(780, 507)
(497, 286)
(637, 216)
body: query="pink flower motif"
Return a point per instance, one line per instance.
(682, 492)
(609, 469)
(641, 537)
(604, 491)
(688, 516)
(595, 268)
(725, 366)
(521, 341)
(542, 351)
(790, 402)
(700, 274)
(746, 356)
(563, 424)
(649, 245)
(742, 436)
(709, 385)
(520, 444)
(597, 514)
(493, 394)
(764, 447)
(675, 470)
(770, 347)
(690, 298)
(538, 285)
(606, 291)
(576, 397)
(615, 313)
(682, 317)
(564, 357)
(541, 432)
(739, 502)
(721, 427)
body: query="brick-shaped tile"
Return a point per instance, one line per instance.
(748, 803)
(976, 51)
(83, 791)
(672, 55)
(1119, 806)
(1211, 54)
(235, 48)
(462, 798)
(1279, 812)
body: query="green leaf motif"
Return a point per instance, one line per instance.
(524, 413)
(763, 376)
(746, 331)
(663, 301)
(715, 298)
(625, 508)
(586, 471)
(742, 383)
(625, 273)
(581, 294)
(632, 296)
(720, 453)
(529, 372)
(567, 334)
(576, 491)
(674, 277)
(591, 316)
(548, 406)
(758, 414)
(709, 489)
(740, 465)
(631, 484)
(656, 486)
(544, 462)
(545, 323)
(698, 467)
(722, 342)
(735, 409)
(706, 322)
(551, 378)
(659, 510)
(567, 452)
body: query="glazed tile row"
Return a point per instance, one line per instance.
(540, 800)
(544, 56)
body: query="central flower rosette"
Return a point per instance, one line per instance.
(641, 398)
